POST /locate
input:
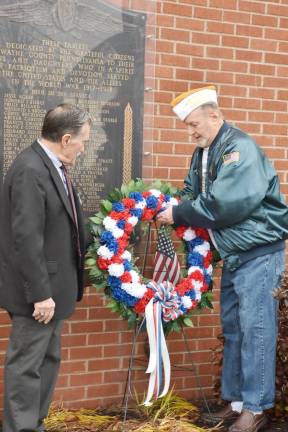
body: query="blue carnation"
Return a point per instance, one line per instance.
(113, 246)
(118, 207)
(167, 198)
(151, 202)
(123, 297)
(114, 282)
(195, 259)
(127, 265)
(106, 237)
(191, 294)
(136, 212)
(193, 243)
(121, 224)
(208, 278)
(136, 196)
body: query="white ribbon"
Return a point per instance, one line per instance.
(158, 353)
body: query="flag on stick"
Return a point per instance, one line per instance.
(166, 264)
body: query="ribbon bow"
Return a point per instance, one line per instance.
(164, 305)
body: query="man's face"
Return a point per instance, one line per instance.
(75, 144)
(202, 126)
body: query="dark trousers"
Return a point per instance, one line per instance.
(31, 368)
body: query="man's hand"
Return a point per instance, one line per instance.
(44, 310)
(165, 217)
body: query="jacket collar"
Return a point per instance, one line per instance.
(225, 126)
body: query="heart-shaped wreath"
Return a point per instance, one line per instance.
(112, 266)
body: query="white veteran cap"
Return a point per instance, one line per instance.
(187, 102)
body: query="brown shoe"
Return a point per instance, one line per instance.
(248, 422)
(225, 414)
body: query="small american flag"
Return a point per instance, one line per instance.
(167, 267)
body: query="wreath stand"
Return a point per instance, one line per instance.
(138, 328)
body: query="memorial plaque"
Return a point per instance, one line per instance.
(86, 52)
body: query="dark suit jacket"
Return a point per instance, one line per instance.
(39, 256)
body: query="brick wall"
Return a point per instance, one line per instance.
(241, 46)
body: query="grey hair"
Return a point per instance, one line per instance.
(65, 118)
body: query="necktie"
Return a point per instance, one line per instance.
(72, 202)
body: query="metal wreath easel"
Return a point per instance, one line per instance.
(138, 328)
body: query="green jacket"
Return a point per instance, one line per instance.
(242, 205)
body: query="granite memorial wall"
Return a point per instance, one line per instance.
(85, 52)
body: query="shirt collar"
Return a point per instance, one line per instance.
(56, 162)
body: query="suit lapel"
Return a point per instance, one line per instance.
(55, 177)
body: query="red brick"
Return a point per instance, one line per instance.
(220, 28)
(234, 67)
(236, 17)
(103, 390)
(264, 20)
(87, 352)
(187, 23)
(205, 39)
(68, 367)
(179, 35)
(174, 9)
(223, 4)
(247, 5)
(86, 379)
(207, 13)
(192, 50)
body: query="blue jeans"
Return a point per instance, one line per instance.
(249, 323)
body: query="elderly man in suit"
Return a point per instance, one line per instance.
(42, 252)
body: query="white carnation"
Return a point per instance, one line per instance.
(134, 289)
(203, 248)
(109, 223)
(197, 285)
(209, 270)
(140, 205)
(187, 302)
(198, 296)
(135, 276)
(133, 220)
(189, 234)
(117, 232)
(116, 270)
(155, 192)
(173, 201)
(127, 256)
(104, 252)
(193, 269)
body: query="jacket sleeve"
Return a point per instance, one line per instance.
(238, 189)
(28, 229)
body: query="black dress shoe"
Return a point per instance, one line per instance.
(223, 415)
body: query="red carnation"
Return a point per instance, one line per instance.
(204, 288)
(140, 306)
(128, 202)
(103, 263)
(115, 215)
(208, 259)
(128, 228)
(146, 194)
(183, 287)
(116, 259)
(180, 231)
(126, 277)
(197, 275)
(148, 214)
(203, 233)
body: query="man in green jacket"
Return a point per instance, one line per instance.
(235, 194)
